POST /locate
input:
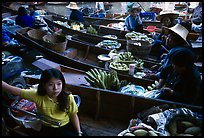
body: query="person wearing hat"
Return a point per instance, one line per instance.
(176, 39)
(184, 84)
(75, 15)
(196, 14)
(133, 21)
(167, 18)
(100, 10)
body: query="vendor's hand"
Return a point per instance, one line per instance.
(151, 76)
(154, 67)
(167, 90)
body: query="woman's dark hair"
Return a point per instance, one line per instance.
(45, 77)
(32, 6)
(183, 58)
(22, 11)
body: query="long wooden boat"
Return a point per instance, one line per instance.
(77, 54)
(102, 103)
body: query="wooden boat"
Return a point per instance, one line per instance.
(77, 54)
(100, 104)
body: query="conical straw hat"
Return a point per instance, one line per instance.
(179, 30)
(73, 5)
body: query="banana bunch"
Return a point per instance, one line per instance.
(91, 30)
(101, 79)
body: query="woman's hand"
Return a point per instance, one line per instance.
(167, 90)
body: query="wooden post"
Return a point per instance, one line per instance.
(98, 105)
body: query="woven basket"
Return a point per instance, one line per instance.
(139, 51)
(55, 42)
(36, 34)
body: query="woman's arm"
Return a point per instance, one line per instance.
(75, 121)
(11, 89)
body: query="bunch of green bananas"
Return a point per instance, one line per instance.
(101, 79)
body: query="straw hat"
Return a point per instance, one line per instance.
(73, 5)
(171, 14)
(179, 30)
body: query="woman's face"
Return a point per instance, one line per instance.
(166, 21)
(178, 68)
(53, 87)
(134, 13)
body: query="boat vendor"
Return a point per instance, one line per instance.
(52, 102)
(167, 18)
(176, 39)
(133, 21)
(196, 13)
(75, 15)
(184, 84)
(23, 18)
(100, 10)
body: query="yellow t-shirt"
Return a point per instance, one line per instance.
(46, 106)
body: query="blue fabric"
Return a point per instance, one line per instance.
(24, 21)
(5, 35)
(132, 22)
(148, 15)
(76, 15)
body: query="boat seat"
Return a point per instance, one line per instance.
(70, 52)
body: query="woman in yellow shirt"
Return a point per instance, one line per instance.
(53, 102)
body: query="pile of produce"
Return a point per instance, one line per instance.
(102, 79)
(109, 44)
(141, 130)
(77, 26)
(119, 66)
(110, 36)
(139, 64)
(137, 36)
(62, 23)
(91, 30)
(183, 128)
(125, 56)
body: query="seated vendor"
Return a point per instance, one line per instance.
(184, 84)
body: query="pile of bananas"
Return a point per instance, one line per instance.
(91, 30)
(101, 79)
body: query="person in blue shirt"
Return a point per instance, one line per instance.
(23, 18)
(184, 84)
(100, 10)
(75, 15)
(176, 40)
(133, 21)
